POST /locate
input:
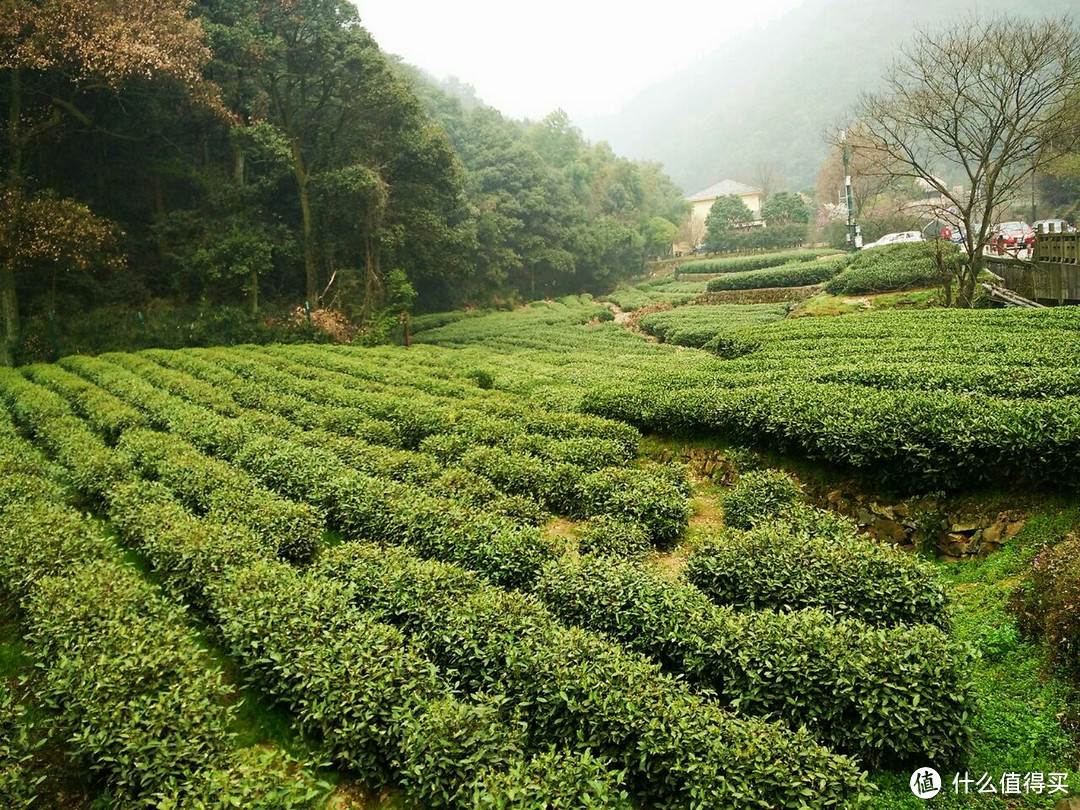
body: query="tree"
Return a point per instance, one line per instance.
(58, 53)
(979, 101)
(767, 178)
(726, 213)
(691, 232)
(45, 235)
(785, 208)
(659, 234)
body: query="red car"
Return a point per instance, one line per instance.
(1012, 237)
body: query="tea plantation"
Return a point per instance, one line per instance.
(292, 576)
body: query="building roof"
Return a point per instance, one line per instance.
(723, 189)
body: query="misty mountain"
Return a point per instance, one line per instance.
(769, 98)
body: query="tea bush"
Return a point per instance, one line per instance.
(774, 567)
(760, 496)
(807, 668)
(695, 326)
(753, 261)
(795, 274)
(894, 267)
(575, 688)
(610, 536)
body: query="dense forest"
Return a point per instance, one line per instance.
(250, 155)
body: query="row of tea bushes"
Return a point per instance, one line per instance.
(354, 503)
(215, 487)
(752, 261)
(794, 274)
(145, 708)
(895, 267)
(646, 495)
(775, 567)
(374, 703)
(573, 687)
(92, 466)
(807, 668)
(694, 326)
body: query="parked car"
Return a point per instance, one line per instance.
(1053, 226)
(1012, 236)
(896, 238)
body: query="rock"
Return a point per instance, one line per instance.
(882, 510)
(901, 511)
(864, 518)
(1013, 528)
(955, 545)
(1067, 804)
(889, 530)
(835, 496)
(992, 533)
(963, 528)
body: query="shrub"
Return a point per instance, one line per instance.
(695, 326)
(808, 668)
(575, 688)
(210, 485)
(796, 274)
(774, 567)
(606, 535)
(555, 781)
(1045, 603)
(753, 261)
(641, 495)
(145, 707)
(894, 267)
(377, 704)
(18, 783)
(759, 496)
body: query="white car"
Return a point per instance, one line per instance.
(897, 238)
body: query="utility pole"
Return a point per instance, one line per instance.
(854, 235)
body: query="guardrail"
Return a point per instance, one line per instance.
(1051, 276)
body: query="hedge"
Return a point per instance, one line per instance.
(18, 782)
(759, 496)
(93, 466)
(694, 326)
(777, 567)
(894, 267)
(575, 688)
(376, 704)
(554, 781)
(143, 705)
(796, 274)
(753, 261)
(807, 668)
(605, 535)
(210, 485)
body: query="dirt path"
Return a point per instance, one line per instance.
(629, 320)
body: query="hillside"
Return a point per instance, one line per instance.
(769, 98)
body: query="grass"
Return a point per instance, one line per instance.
(824, 305)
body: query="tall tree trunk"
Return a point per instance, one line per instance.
(9, 302)
(238, 180)
(303, 178)
(9, 306)
(14, 130)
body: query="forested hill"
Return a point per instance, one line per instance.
(256, 154)
(768, 99)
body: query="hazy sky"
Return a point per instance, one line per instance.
(585, 56)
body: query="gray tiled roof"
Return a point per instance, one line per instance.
(723, 189)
